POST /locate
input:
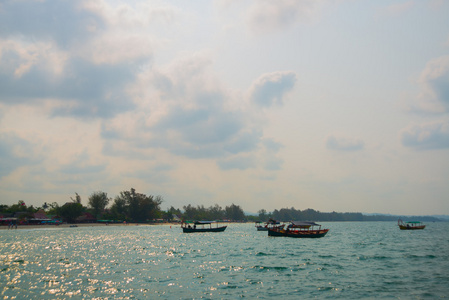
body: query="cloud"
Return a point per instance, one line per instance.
(14, 153)
(434, 82)
(344, 144)
(271, 145)
(82, 164)
(267, 16)
(77, 55)
(190, 113)
(436, 77)
(186, 112)
(85, 90)
(48, 20)
(426, 136)
(270, 88)
(273, 163)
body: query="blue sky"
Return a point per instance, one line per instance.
(331, 105)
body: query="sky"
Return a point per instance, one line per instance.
(336, 105)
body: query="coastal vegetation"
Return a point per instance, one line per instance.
(131, 206)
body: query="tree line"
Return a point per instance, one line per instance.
(290, 214)
(128, 206)
(131, 206)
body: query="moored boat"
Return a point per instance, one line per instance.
(202, 226)
(269, 224)
(299, 229)
(260, 227)
(411, 225)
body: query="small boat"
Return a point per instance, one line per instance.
(202, 226)
(299, 229)
(259, 227)
(269, 224)
(412, 225)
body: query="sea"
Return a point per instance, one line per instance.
(355, 260)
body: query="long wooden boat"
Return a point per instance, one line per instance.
(202, 226)
(299, 229)
(412, 225)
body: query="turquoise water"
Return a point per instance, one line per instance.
(355, 260)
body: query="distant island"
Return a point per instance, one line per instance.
(287, 214)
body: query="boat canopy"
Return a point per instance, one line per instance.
(205, 222)
(303, 224)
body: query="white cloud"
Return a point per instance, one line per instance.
(267, 16)
(127, 34)
(427, 136)
(63, 22)
(434, 83)
(18, 57)
(117, 47)
(189, 113)
(269, 89)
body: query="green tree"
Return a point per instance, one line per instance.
(263, 216)
(190, 212)
(171, 213)
(70, 211)
(54, 209)
(216, 212)
(98, 202)
(119, 211)
(77, 198)
(132, 203)
(148, 208)
(140, 207)
(19, 207)
(234, 212)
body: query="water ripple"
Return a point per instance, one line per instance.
(123, 262)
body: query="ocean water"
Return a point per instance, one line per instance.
(355, 260)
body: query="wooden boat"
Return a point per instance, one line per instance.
(202, 226)
(299, 229)
(412, 225)
(269, 224)
(259, 227)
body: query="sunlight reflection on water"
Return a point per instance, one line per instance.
(353, 261)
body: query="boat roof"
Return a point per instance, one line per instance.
(205, 222)
(414, 222)
(304, 223)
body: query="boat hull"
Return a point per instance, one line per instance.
(214, 229)
(299, 233)
(402, 227)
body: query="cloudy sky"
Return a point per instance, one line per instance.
(331, 105)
